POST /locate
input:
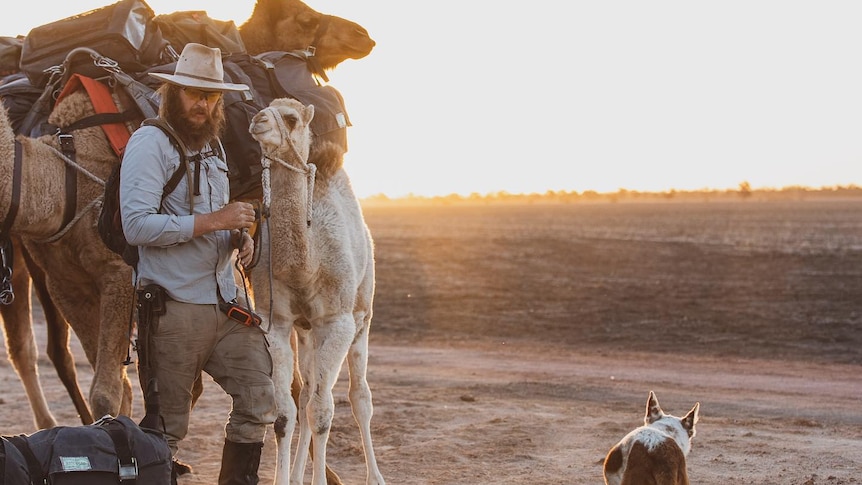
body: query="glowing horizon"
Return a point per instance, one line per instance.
(588, 96)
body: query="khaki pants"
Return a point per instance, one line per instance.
(191, 338)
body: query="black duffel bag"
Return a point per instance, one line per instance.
(124, 32)
(110, 451)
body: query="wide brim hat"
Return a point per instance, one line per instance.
(200, 67)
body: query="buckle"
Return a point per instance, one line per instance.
(67, 142)
(129, 471)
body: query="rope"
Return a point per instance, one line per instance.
(310, 171)
(266, 202)
(68, 227)
(98, 200)
(77, 167)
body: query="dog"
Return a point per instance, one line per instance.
(653, 454)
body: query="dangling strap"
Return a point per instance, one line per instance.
(7, 294)
(128, 470)
(16, 191)
(313, 64)
(37, 475)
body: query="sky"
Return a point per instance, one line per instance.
(484, 96)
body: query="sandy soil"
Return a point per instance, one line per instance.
(517, 345)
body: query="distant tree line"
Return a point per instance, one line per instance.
(743, 192)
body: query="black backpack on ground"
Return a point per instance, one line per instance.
(111, 451)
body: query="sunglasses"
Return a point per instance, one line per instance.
(210, 97)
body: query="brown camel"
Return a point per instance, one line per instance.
(286, 25)
(70, 275)
(317, 256)
(88, 285)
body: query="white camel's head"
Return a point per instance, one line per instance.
(283, 127)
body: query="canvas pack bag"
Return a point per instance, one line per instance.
(19, 95)
(111, 451)
(124, 32)
(10, 54)
(280, 74)
(180, 28)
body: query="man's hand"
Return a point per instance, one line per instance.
(235, 215)
(243, 241)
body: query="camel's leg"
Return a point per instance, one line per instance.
(282, 376)
(304, 367)
(332, 478)
(21, 343)
(110, 379)
(58, 342)
(360, 400)
(330, 344)
(103, 330)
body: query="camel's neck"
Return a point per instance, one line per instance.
(292, 208)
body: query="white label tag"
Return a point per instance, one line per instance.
(75, 463)
(341, 119)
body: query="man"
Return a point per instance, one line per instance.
(187, 242)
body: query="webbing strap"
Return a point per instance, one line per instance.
(194, 175)
(143, 95)
(117, 133)
(7, 294)
(101, 119)
(16, 192)
(314, 65)
(67, 145)
(128, 466)
(37, 476)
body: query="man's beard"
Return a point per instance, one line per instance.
(194, 135)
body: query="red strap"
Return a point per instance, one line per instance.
(117, 133)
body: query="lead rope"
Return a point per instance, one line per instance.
(264, 219)
(242, 275)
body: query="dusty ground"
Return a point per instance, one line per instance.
(515, 345)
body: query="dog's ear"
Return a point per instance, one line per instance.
(653, 410)
(690, 419)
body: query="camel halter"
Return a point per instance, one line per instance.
(311, 50)
(266, 202)
(266, 163)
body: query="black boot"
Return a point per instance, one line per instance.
(239, 463)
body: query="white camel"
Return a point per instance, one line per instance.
(318, 254)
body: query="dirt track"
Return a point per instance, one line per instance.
(515, 345)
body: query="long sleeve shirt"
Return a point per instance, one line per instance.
(191, 269)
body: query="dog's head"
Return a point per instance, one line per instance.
(681, 429)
